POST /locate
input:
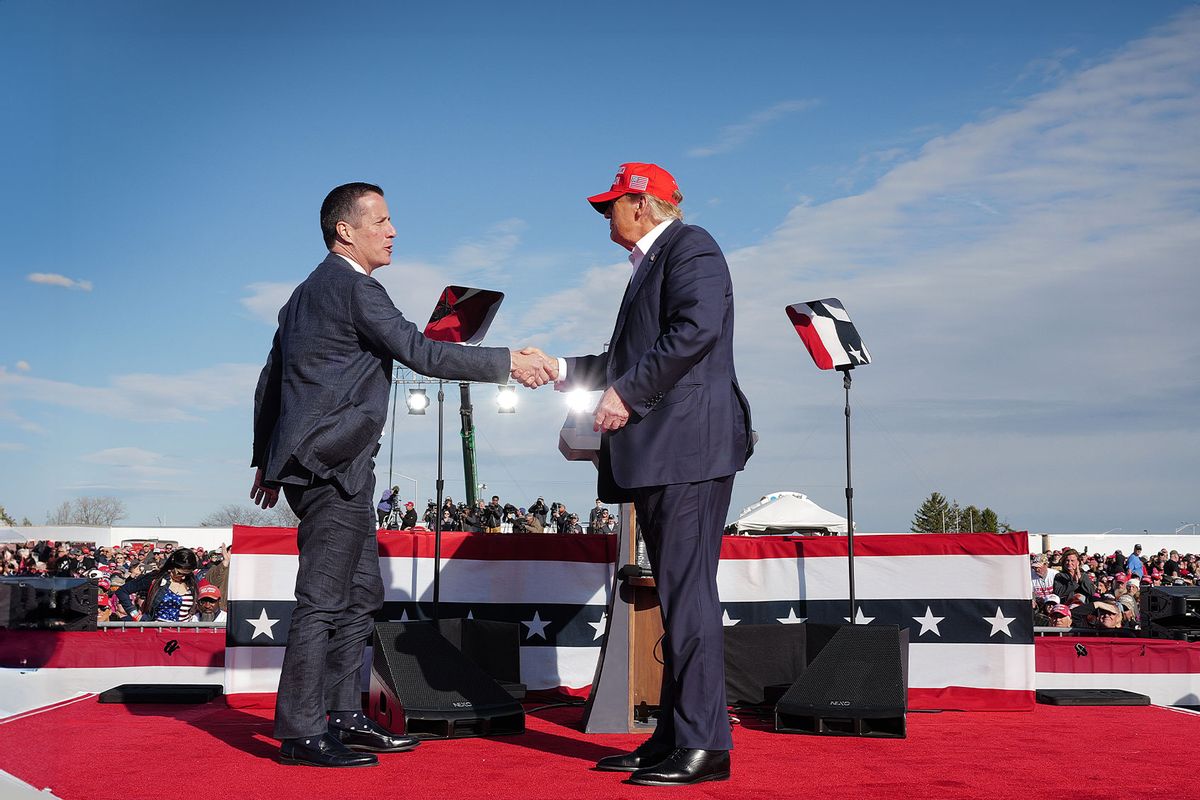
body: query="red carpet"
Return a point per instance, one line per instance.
(88, 750)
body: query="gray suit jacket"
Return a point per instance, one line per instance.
(671, 360)
(322, 397)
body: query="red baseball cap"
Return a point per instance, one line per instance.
(209, 590)
(637, 178)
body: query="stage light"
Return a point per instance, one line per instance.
(506, 400)
(581, 401)
(417, 401)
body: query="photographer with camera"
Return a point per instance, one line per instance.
(492, 515)
(387, 503)
(539, 510)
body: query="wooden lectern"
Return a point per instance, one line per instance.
(628, 676)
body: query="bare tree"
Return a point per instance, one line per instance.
(98, 511)
(283, 516)
(234, 514)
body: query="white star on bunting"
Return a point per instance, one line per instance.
(537, 626)
(999, 623)
(601, 627)
(791, 618)
(726, 621)
(263, 626)
(929, 623)
(860, 619)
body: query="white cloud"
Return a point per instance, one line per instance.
(1028, 278)
(12, 447)
(265, 300)
(133, 462)
(141, 396)
(24, 366)
(733, 136)
(1026, 284)
(492, 249)
(54, 279)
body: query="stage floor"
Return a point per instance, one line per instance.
(85, 750)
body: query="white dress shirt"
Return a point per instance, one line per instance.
(354, 264)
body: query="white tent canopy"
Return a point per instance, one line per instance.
(788, 512)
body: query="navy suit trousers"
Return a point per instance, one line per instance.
(338, 592)
(682, 526)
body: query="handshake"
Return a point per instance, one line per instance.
(532, 368)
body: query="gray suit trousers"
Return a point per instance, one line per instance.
(338, 592)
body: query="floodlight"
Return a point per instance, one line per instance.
(581, 401)
(417, 401)
(506, 400)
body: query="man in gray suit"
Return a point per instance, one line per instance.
(319, 408)
(676, 429)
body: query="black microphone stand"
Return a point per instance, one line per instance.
(437, 517)
(845, 370)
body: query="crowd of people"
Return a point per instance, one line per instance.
(135, 582)
(492, 517)
(1103, 592)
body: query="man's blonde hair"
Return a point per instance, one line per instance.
(661, 210)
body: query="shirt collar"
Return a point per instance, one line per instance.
(646, 242)
(353, 263)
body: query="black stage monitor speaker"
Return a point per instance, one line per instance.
(1091, 697)
(182, 693)
(1171, 606)
(854, 686)
(760, 656)
(64, 604)
(422, 685)
(495, 647)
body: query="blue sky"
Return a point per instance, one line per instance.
(1005, 197)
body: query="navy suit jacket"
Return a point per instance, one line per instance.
(321, 401)
(670, 359)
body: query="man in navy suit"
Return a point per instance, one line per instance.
(319, 409)
(676, 428)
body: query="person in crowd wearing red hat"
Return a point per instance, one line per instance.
(207, 604)
(320, 403)
(1060, 616)
(217, 572)
(103, 608)
(676, 429)
(410, 516)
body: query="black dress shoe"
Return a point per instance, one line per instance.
(647, 754)
(322, 751)
(684, 766)
(366, 735)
